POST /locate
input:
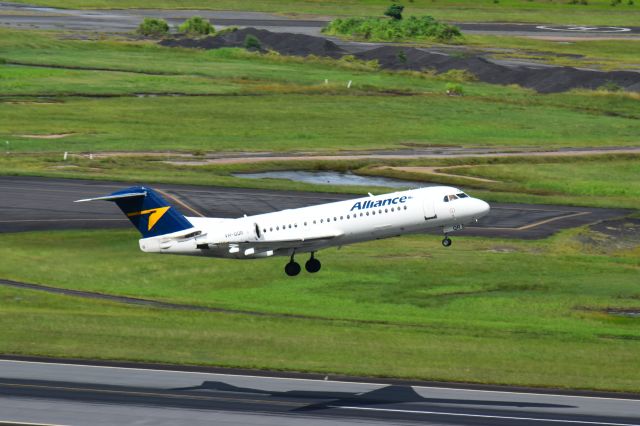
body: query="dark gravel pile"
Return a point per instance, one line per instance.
(284, 43)
(541, 79)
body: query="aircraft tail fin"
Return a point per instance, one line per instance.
(147, 210)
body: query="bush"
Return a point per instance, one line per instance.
(424, 27)
(454, 89)
(196, 26)
(252, 42)
(394, 11)
(153, 27)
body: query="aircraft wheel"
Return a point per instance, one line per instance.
(446, 242)
(313, 265)
(292, 269)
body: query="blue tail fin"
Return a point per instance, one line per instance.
(148, 211)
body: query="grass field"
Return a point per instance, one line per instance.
(485, 310)
(598, 12)
(245, 102)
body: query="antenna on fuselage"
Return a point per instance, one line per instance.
(370, 194)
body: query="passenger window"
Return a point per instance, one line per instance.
(277, 228)
(367, 213)
(348, 217)
(373, 212)
(321, 220)
(341, 217)
(391, 208)
(335, 219)
(405, 207)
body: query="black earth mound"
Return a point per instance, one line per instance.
(283, 43)
(540, 78)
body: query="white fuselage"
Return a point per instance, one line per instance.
(313, 228)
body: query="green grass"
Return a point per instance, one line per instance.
(485, 310)
(598, 12)
(241, 101)
(294, 122)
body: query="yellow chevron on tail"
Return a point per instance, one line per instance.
(154, 215)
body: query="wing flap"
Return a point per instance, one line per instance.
(282, 244)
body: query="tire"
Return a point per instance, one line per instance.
(292, 269)
(312, 266)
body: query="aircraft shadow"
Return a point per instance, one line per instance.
(387, 395)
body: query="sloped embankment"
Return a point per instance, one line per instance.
(540, 78)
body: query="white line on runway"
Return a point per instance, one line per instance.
(11, 422)
(484, 416)
(62, 220)
(311, 380)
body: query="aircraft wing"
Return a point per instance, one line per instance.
(294, 243)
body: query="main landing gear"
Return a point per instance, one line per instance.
(313, 265)
(293, 268)
(446, 241)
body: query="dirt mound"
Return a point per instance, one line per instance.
(283, 43)
(540, 78)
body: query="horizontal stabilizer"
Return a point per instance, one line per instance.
(114, 197)
(147, 211)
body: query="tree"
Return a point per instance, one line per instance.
(395, 11)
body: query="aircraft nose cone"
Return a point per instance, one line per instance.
(483, 208)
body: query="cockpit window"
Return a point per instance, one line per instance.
(446, 199)
(462, 195)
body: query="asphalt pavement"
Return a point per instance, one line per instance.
(38, 204)
(77, 394)
(120, 20)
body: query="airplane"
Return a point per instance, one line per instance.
(294, 231)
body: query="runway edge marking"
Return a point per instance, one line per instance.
(484, 416)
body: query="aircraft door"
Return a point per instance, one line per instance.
(428, 207)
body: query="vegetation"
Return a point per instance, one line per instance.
(197, 26)
(537, 307)
(153, 27)
(106, 95)
(454, 89)
(252, 42)
(598, 12)
(394, 11)
(396, 29)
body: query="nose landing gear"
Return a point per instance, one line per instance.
(446, 241)
(313, 265)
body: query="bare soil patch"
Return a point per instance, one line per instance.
(438, 171)
(49, 136)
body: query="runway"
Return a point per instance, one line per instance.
(79, 394)
(39, 204)
(120, 20)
